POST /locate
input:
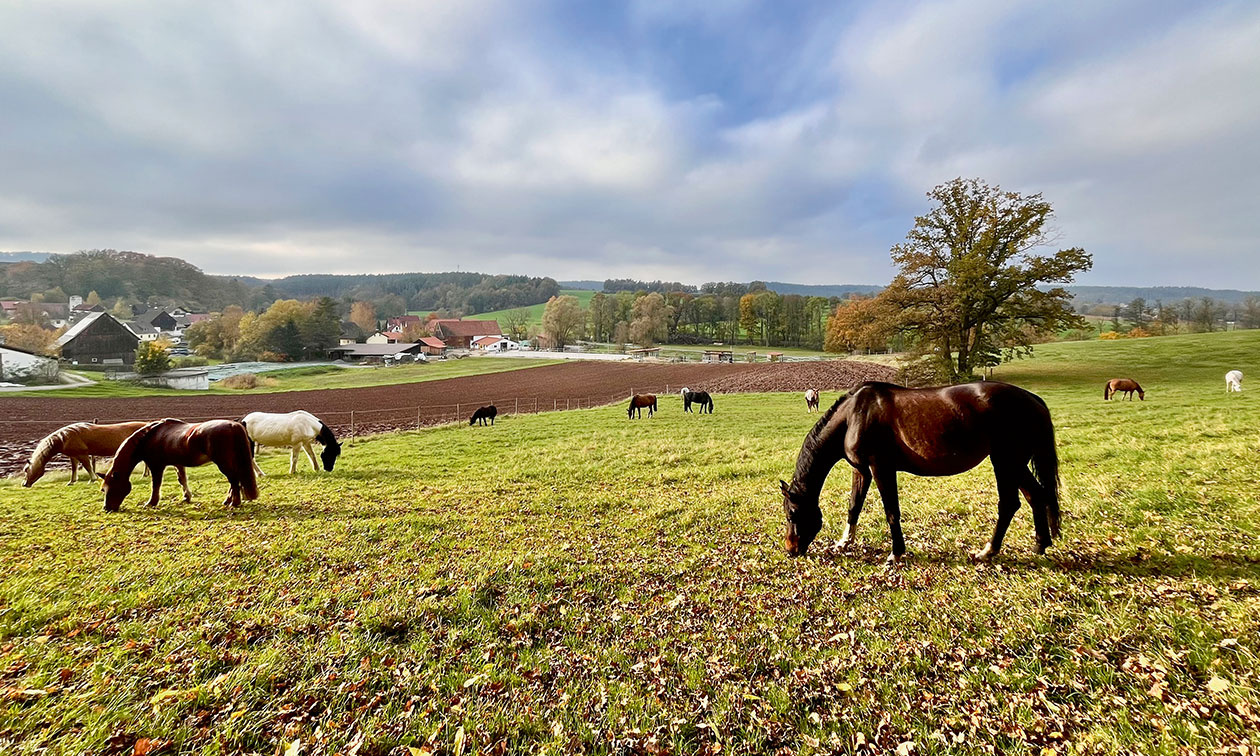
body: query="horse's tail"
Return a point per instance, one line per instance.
(1107, 390)
(1045, 468)
(244, 463)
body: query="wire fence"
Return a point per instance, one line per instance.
(370, 420)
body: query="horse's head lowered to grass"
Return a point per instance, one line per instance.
(804, 519)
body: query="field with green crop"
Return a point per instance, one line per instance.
(577, 582)
(536, 311)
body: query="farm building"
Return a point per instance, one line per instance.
(400, 323)
(459, 334)
(20, 365)
(432, 345)
(157, 319)
(493, 344)
(56, 314)
(377, 352)
(385, 337)
(718, 355)
(98, 339)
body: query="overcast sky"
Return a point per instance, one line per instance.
(673, 139)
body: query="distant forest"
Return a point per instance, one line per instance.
(139, 278)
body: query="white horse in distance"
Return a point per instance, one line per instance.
(1233, 381)
(296, 430)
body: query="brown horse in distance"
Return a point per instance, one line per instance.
(80, 442)
(638, 402)
(166, 443)
(1127, 385)
(881, 429)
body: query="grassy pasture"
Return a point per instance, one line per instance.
(574, 581)
(536, 311)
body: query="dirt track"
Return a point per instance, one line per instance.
(24, 420)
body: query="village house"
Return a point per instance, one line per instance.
(493, 344)
(98, 339)
(56, 314)
(401, 323)
(459, 333)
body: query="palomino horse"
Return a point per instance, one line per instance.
(638, 402)
(1127, 385)
(700, 398)
(881, 429)
(489, 412)
(811, 400)
(1233, 381)
(295, 430)
(164, 443)
(80, 442)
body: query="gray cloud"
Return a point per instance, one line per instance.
(298, 137)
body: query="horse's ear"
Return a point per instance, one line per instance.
(783, 485)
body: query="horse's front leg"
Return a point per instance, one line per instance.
(157, 485)
(293, 454)
(857, 497)
(1008, 504)
(182, 474)
(886, 482)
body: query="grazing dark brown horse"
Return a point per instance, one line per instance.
(168, 442)
(1127, 385)
(480, 417)
(881, 429)
(638, 402)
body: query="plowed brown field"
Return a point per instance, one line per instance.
(24, 420)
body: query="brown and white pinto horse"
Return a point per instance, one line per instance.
(1127, 385)
(638, 402)
(811, 400)
(881, 429)
(166, 443)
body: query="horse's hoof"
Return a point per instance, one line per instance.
(895, 560)
(985, 554)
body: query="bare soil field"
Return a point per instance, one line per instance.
(24, 420)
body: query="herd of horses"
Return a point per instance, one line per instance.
(879, 429)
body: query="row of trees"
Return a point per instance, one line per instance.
(971, 290)
(287, 330)
(1199, 315)
(758, 317)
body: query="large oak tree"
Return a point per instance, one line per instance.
(969, 285)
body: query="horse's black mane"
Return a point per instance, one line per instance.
(326, 436)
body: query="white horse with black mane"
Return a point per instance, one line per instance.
(1233, 381)
(295, 430)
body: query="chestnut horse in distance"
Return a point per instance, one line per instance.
(1126, 385)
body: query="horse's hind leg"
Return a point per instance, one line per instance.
(1035, 495)
(74, 473)
(886, 482)
(310, 453)
(182, 475)
(1008, 481)
(861, 484)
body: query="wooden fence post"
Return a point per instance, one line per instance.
(352, 425)
(517, 411)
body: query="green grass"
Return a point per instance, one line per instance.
(310, 378)
(536, 311)
(573, 581)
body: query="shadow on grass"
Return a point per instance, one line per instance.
(1065, 561)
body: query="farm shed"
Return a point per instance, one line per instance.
(719, 355)
(432, 345)
(20, 365)
(376, 352)
(191, 379)
(98, 339)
